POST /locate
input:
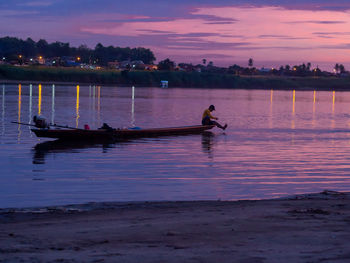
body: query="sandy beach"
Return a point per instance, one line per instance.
(303, 228)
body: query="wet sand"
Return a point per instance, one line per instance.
(304, 228)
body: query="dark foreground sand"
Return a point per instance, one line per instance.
(306, 228)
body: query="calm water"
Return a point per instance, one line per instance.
(277, 143)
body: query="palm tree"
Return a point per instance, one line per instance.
(308, 66)
(250, 62)
(336, 68)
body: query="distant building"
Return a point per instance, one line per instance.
(198, 69)
(69, 61)
(126, 64)
(151, 67)
(344, 74)
(41, 60)
(164, 83)
(138, 64)
(113, 64)
(185, 67)
(265, 71)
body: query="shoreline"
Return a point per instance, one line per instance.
(92, 206)
(302, 228)
(72, 83)
(176, 79)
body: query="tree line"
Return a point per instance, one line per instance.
(302, 70)
(12, 48)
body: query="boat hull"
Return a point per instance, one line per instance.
(115, 134)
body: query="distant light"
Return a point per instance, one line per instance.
(40, 57)
(3, 58)
(53, 62)
(20, 56)
(78, 58)
(31, 59)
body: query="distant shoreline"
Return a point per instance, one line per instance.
(176, 79)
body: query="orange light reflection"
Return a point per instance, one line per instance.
(19, 109)
(77, 108)
(39, 100)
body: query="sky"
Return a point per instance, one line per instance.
(226, 32)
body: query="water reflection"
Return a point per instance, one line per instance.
(260, 151)
(77, 108)
(99, 104)
(19, 102)
(30, 103)
(133, 106)
(41, 150)
(19, 110)
(271, 110)
(3, 109)
(314, 110)
(208, 143)
(39, 99)
(293, 112)
(333, 111)
(53, 104)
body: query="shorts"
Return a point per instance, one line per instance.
(207, 121)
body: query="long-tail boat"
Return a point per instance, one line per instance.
(115, 134)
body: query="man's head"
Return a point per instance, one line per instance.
(211, 107)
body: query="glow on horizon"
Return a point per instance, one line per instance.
(189, 31)
(263, 33)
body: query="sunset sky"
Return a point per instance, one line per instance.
(273, 33)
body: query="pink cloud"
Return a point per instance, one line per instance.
(289, 34)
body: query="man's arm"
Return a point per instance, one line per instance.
(212, 117)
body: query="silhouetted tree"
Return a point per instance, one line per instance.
(235, 69)
(308, 66)
(42, 47)
(281, 70)
(11, 48)
(287, 67)
(250, 62)
(166, 64)
(303, 67)
(336, 68)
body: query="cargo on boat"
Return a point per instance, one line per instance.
(115, 134)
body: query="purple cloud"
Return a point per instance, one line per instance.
(317, 22)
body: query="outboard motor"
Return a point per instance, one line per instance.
(40, 122)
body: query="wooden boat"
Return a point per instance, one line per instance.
(115, 134)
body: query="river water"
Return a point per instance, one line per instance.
(277, 143)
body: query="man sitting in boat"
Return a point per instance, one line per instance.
(207, 118)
